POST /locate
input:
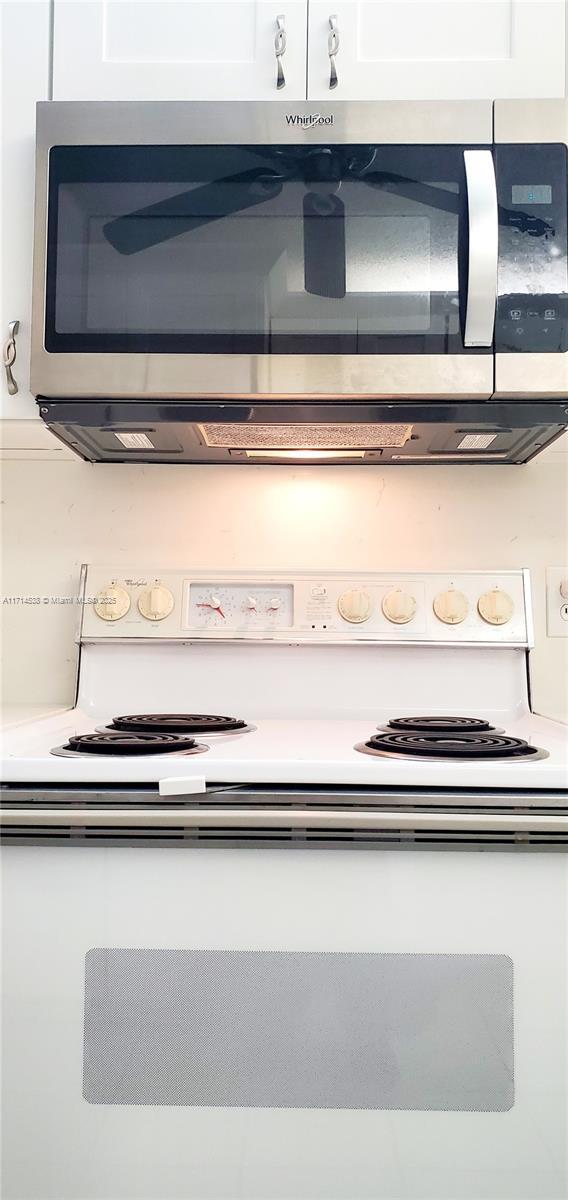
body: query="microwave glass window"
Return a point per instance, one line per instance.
(255, 249)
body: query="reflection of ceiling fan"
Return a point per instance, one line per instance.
(322, 170)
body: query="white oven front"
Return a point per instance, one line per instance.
(258, 1023)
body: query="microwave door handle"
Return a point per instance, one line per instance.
(483, 228)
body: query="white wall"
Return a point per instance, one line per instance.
(59, 514)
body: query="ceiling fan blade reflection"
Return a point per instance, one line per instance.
(136, 231)
(324, 245)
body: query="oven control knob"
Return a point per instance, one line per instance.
(156, 602)
(399, 607)
(451, 607)
(355, 606)
(112, 603)
(496, 607)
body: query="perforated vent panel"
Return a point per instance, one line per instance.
(299, 1030)
(314, 437)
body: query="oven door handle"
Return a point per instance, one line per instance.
(284, 818)
(483, 243)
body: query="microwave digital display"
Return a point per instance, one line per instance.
(531, 193)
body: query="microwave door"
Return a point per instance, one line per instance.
(344, 270)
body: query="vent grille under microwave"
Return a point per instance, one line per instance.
(313, 437)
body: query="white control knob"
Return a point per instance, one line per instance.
(564, 589)
(355, 606)
(496, 607)
(274, 604)
(156, 602)
(252, 603)
(112, 603)
(451, 607)
(399, 607)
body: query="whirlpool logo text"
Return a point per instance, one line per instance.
(308, 120)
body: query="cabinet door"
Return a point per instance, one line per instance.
(437, 49)
(25, 39)
(178, 49)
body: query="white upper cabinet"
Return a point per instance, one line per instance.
(179, 49)
(25, 31)
(436, 49)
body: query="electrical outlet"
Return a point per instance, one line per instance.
(557, 601)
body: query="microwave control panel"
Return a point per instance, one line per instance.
(465, 607)
(532, 193)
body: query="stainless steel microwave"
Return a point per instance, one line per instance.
(364, 254)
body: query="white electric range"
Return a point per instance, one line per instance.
(325, 931)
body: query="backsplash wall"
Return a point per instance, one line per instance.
(60, 514)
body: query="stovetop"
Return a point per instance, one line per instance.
(309, 752)
(425, 737)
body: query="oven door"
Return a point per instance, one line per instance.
(194, 250)
(283, 1002)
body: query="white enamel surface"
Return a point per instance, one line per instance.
(311, 706)
(283, 751)
(279, 900)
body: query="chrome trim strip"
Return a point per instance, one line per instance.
(254, 818)
(483, 247)
(259, 795)
(529, 616)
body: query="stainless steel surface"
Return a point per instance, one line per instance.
(9, 357)
(483, 247)
(530, 376)
(214, 123)
(332, 49)
(285, 818)
(531, 121)
(278, 376)
(280, 49)
(271, 377)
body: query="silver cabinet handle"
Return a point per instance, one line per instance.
(483, 222)
(332, 48)
(293, 818)
(9, 357)
(280, 49)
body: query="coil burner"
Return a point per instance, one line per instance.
(128, 744)
(461, 746)
(441, 725)
(179, 723)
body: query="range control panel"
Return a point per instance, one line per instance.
(467, 607)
